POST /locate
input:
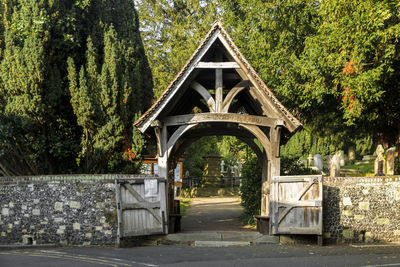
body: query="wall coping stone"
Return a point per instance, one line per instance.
(361, 179)
(83, 178)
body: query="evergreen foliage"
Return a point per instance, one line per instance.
(171, 31)
(47, 104)
(250, 189)
(334, 64)
(195, 153)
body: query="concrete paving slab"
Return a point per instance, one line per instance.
(193, 236)
(221, 244)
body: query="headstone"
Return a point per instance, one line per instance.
(391, 155)
(342, 160)
(318, 162)
(310, 161)
(328, 161)
(212, 171)
(379, 161)
(351, 153)
(335, 166)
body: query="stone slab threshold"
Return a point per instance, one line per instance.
(222, 236)
(221, 244)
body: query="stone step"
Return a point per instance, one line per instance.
(231, 236)
(221, 244)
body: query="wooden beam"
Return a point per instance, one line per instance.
(141, 205)
(261, 136)
(233, 93)
(176, 135)
(217, 65)
(205, 94)
(218, 85)
(218, 131)
(219, 117)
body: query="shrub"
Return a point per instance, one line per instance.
(250, 188)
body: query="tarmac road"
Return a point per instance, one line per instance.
(262, 255)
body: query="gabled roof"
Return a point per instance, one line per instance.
(216, 32)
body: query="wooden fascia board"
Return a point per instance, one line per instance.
(188, 70)
(265, 98)
(221, 117)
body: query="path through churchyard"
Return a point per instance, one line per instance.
(214, 214)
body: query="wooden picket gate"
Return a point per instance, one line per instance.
(140, 213)
(296, 205)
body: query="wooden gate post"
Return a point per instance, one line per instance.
(163, 166)
(265, 186)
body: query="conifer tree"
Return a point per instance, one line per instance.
(40, 90)
(113, 88)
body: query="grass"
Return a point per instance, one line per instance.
(185, 203)
(363, 168)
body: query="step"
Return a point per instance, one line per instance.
(234, 236)
(221, 244)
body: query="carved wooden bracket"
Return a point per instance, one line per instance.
(157, 125)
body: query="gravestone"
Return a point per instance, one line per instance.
(212, 170)
(351, 153)
(334, 170)
(310, 161)
(328, 161)
(318, 162)
(379, 161)
(342, 160)
(391, 155)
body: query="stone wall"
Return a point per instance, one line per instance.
(66, 209)
(362, 209)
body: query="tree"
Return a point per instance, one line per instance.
(39, 131)
(36, 134)
(171, 31)
(350, 67)
(113, 88)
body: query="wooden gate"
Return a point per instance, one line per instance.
(296, 205)
(141, 206)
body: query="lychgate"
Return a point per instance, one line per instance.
(217, 92)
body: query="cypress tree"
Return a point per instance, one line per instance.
(117, 86)
(41, 94)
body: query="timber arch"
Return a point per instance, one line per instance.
(218, 93)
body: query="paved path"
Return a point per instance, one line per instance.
(213, 214)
